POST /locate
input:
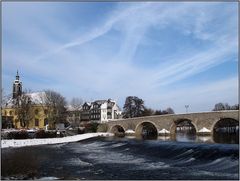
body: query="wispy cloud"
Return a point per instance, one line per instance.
(115, 57)
(201, 97)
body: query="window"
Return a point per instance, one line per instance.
(10, 112)
(45, 111)
(36, 122)
(5, 113)
(36, 111)
(45, 121)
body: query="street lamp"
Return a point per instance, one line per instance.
(186, 106)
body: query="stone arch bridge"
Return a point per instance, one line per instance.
(203, 122)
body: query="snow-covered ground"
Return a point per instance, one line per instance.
(32, 142)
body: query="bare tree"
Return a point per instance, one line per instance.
(23, 105)
(235, 107)
(148, 112)
(158, 112)
(55, 104)
(76, 103)
(221, 106)
(169, 110)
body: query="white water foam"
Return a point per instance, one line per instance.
(78, 162)
(117, 145)
(48, 178)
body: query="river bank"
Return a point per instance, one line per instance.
(32, 142)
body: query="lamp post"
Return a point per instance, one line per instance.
(186, 106)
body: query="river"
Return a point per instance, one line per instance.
(124, 158)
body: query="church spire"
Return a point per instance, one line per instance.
(17, 87)
(17, 76)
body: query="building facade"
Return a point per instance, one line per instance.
(100, 111)
(37, 113)
(85, 113)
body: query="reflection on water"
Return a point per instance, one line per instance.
(186, 137)
(216, 138)
(225, 138)
(164, 138)
(205, 139)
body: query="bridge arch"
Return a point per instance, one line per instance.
(182, 122)
(146, 129)
(117, 129)
(226, 130)
(227, 121)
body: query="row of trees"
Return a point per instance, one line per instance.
(225, 106)
(134, 107)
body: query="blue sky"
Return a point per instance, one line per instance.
(168, 54)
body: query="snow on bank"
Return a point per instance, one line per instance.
(163, 131)
(204, 130)
(130, 131)
(32, 142)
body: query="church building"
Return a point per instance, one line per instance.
(12, 109)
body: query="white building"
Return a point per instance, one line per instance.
(101, 111)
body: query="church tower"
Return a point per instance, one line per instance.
(17, 87)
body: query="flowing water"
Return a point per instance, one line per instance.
(123, 158)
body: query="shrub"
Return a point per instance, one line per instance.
(45, 134)
(91, 127)
(10, 135)
(40, 134)
(19, 135)
(81, 131)
(4, 135)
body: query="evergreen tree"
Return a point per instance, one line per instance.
(133, 107)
